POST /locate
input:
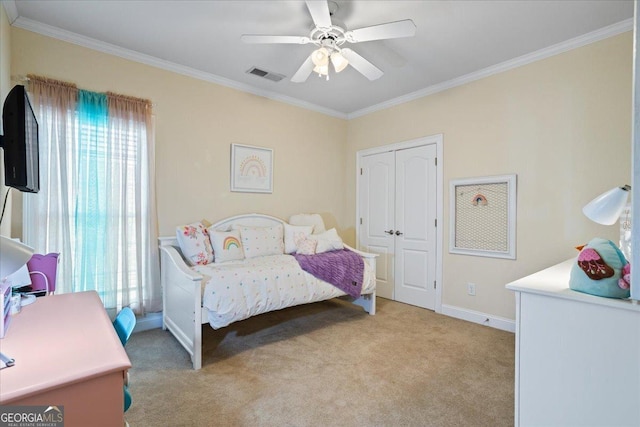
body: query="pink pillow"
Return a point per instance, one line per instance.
(306, 246)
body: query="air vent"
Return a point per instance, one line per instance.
(274, 77)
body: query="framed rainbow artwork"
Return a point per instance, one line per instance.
(251, 169)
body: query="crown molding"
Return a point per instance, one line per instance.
(91, 43)
(11, 9)
(70, 37)
(583, 40)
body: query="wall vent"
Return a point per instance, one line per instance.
(274, 77)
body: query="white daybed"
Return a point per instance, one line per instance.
(183, 288)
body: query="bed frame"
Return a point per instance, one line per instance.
(183, 314)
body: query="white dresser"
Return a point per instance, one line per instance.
(577, 355)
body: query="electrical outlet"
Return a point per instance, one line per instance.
(471, 289)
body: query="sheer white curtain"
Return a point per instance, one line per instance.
(97, 201)
(46, 225)
(131, 166)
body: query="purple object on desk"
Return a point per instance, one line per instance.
(42, 271)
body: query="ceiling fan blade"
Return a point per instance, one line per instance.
(304, 71)
(365, 67)
(319, 10)
(390, 30)
(250, 38)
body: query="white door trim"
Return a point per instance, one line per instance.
(438, 140)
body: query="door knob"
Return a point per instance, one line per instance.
(398, 233)
(389, 232)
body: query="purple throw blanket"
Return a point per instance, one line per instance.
(344, 269)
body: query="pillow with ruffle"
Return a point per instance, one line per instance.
(306, 246)
(292, 233)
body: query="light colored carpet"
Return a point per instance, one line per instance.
(328, 364)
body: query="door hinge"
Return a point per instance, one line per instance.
(436, 160)
(360, 171)
(436, 222)
(434, 284)
(360, 221)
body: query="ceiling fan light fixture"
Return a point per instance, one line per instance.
(320, 57)
(322, 70)
(339, 62)
(328, 36)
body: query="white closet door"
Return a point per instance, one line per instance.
(415, 240)
(377, 216)
(398, 197)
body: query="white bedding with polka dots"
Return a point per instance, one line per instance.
(237, 290)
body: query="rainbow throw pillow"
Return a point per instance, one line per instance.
(227, 245)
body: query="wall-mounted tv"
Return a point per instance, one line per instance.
(20, 142)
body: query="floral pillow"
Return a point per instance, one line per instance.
(292, 233)
(194, 243)
(227, 245)
(261, 241)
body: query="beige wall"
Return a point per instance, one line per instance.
(563, 125)
(196, 122)
(5, 86)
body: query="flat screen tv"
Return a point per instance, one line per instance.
(20, 142)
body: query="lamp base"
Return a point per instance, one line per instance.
(625, 232)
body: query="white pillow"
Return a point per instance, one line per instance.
(227, 245)
(194, 243)
(261, 241)
(292, 233)
(306, 246)
(309, 219)
(328, 241)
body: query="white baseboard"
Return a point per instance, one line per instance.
(154, 320)
(149, 321)
(478, 317)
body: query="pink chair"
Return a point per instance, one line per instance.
(43, 271)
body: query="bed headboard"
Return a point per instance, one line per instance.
(251, 220)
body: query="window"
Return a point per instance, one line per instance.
(97, 205)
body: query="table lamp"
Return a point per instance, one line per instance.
(606, 210)
(607, 207)
(13, 255)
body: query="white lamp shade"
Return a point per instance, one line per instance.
(607, 207)
(339, 62)
(321, 69)
(320, 57)
(13, 255)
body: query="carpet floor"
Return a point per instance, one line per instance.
(328, 364)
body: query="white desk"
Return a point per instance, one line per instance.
(67, 354)
(577, 355)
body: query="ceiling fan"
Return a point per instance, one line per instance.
(330, 38)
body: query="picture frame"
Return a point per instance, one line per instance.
(483, 216)
(251, 169)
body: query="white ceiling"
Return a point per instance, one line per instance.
(455, 41)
